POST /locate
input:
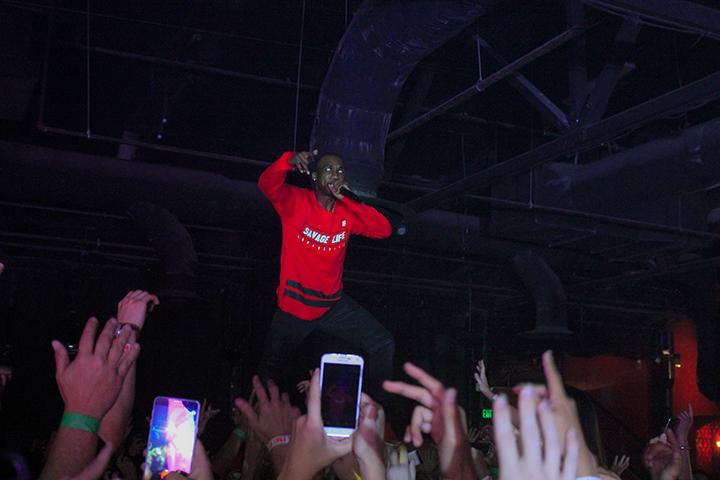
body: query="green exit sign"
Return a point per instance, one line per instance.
(487, 413)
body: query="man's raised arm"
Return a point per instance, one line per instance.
(272, 180)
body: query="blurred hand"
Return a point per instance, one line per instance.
(90, 384)
(367, 441)
(276, 416)
(439, 415)
(311, 449)
(542, 452)
(673, 469)
(134, 307)
(399, 467)
(474, 435)
(301, 160)
(620, 464)
(206, 413)
(127, 467)
(684, 425)
(482, 381)
(303, 386)
(200, 470)
(5, 376)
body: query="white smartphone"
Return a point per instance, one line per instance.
(341, 377)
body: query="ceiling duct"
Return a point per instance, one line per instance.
(637, 182)
(545, 288)
(173, 245)
(381, 46)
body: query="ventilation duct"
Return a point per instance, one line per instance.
(545, 288)
(381, 46)
(645, 176)
(173, 245)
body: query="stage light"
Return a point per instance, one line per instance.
(717, 444)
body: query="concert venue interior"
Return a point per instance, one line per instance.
(551, 172)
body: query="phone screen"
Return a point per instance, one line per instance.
(172, 437)
(340, 390)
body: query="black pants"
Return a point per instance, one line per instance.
(347, 320)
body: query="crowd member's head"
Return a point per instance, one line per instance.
(588, 422)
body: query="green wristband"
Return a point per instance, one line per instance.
(80, 422)
(240, 433)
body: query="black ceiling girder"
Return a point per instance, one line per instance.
(595, 107)
(483, 84)
(698, 92)
(577, 61)
(675, 13)
(551, 112)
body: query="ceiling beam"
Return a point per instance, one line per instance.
(693, 94)
(605, 83)
(577, 61)
(551, 112)
(483, 84)
(675, 13)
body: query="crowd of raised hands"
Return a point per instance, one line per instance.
(539, 439)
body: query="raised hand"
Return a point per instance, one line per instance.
(367, 441)
(276, 416)
(684, 425)
(542, 453)
(206, 413)
(673, 469)
(439, 415)
(134, 307)
(90, 384)
(620, 464)
(482, 381)
(301, 160)
(565, 415)
(473, 434)
(311, 449)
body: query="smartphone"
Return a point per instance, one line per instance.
(171, 441)
(341, 385)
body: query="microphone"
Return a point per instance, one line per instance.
(346, 192)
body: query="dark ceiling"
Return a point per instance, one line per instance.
(205, 93)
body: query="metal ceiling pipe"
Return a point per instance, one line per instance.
(373, 60)
(641, 176)
(547, 291)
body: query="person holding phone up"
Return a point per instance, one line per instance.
(316, 226)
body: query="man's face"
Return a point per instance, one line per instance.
(329, 174)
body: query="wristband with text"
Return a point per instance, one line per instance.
(240, 433)
(80, 422)
(277, 441)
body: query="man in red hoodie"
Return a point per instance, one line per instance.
(316, 226)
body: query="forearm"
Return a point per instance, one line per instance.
(587, 464)
(371, 470)
(272, 180)
(370, 222)
(70, 452)
(114, 424)
(686, 465)
(223, 460)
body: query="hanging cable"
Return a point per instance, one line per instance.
(299, 71)
(87, 69)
